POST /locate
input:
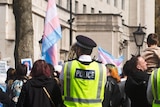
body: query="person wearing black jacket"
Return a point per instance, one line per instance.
(112, 95)
(4, 98)
(33, 93)
(136, 83)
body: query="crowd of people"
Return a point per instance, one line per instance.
(86, 82)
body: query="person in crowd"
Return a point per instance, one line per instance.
(41, 90)
(112, 96)
(152, 53)
(125, 102)
(11, 75)
(54, 74)
(21, 78)
(83, 79)
(72, 52)
(153, 89)
(4, 99)
(136, 83)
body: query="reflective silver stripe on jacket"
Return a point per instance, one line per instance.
(83, 100)
(68, 78)
(100, 80)
(69, 98)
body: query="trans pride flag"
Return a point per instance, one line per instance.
(52, 33)
(106, 58)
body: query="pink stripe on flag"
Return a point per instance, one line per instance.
(50, 26)
(51, 3)
(53, 53)
(107, 58)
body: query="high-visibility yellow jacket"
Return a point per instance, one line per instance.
(155, 81)
(84, 84)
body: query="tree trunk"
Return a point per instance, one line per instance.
(157, 18)
(22, 10)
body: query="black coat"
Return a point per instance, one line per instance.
(33, 95)
(135, 88)
(125, 101)
(4, 98)
(112, 95)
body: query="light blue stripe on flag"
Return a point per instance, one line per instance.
(51, 39)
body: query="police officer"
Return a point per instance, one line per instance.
(153, 89)
(83, 79)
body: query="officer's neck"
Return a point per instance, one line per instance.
(85, 58)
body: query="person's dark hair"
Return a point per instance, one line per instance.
(40, 68)
(127, 68)
(21, 70)
(134, 62)
(54, 73)
(85, 51)
(152, 39)
(51, 69)
(130, 65)
(11, 74)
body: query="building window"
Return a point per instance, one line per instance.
(108, 1)
(84, 8)
(68, 4)
(100, 11)
(60, 2)
(123, 4)
(115, 3)
(92, 10)
(76, 7)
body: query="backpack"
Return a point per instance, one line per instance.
(125, 101)
(112, 95)
(16, 89)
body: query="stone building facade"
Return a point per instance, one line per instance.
(110, 23)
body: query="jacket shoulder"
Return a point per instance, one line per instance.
(97, 61)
